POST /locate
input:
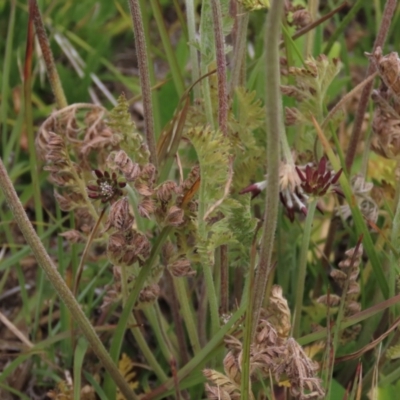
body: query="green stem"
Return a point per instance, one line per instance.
(6, 76)
(52, 73)
(313, 9)
(395, 241)
(346, 20)
(275, 131)
(58, 283)
(191, 23)
(239, 52)
(141, 51)
(169, 52)
(247, 339)
(302, 266)
(186, 313)
(130, 302)
(37, 198)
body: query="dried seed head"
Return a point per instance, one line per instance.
(174, 216)
(389, 69)
(279, 312)
(166, 190)
(332, 300)
(73, 236)
(146, 207)
(292, 116)
(119, 216)
(120, 160)
(149, 295)
(232, 368)
(224, 388)
(301, 18)
(181, 268)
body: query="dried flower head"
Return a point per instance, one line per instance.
(119, 216)
(389, 69)
(296, 183)
(386, 125)
(181, 268)
(148, 295)
(345, 278)
(120, 160)
(317, 180)
(108, 189)
(361, 191)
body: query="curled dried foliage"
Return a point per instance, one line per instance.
(347, 274)
(362, 193)
(273, 353)
(126, 248)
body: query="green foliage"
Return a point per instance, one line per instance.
(206, 45)
(213, 152)
(130, 140)
(310, 90)
(249, 154)
(393, 352)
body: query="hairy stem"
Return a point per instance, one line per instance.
(58, 283)
(221, 67)
(275, 130)
(47, 55)
(141, 51)
(390, 8)
(302, 267)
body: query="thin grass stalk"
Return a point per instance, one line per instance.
(239, 51)
(214, 343)
(275, 131)
(187, 315)
(194, 61)
(155, 322)
(86, 250)
(247, 339)
(6, 76)
(180, 333)
(181, 18)
(130, 302)
(139, 338)
(141, 52)
(169, 51)
(395, 241)
(302, 267)
(51, 69)
(388, 12)
(37, 197)
(224, 271)
(152, 73)
(58, 283)
(346, 20)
